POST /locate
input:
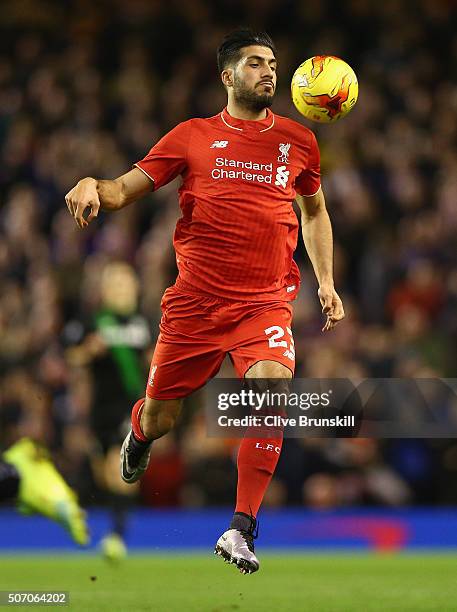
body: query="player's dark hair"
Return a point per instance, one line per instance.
(229, 51)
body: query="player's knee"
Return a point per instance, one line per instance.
(272, 385)
(269, 376)
(267, 370)
(274, 390)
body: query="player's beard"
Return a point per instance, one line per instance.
(249, 98)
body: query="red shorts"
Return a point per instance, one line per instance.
(197, 332)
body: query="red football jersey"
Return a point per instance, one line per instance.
(238, 229)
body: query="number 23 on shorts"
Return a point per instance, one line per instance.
(278, 337)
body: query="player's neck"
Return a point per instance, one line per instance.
(240, 112)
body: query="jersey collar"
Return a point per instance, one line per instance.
(242, 125)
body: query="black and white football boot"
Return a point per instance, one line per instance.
(237, 546)
(134, 458)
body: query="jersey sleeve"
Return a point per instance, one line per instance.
(308, 181)
(168, 157)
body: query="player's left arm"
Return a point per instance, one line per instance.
(318, 239)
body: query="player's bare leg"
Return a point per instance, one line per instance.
(151, 419)
(257, 459)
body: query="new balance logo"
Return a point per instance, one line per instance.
(282, 176)
(219, 144)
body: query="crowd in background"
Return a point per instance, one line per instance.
(87, 88)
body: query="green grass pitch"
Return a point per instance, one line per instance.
(200, 583)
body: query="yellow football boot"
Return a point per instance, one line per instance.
(42, 489)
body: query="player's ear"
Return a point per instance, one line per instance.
(227, 77)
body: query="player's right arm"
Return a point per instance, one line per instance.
(94, 194)
(164, 162)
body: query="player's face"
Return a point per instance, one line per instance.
(254, 78)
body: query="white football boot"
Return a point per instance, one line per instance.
(237, 546)
(134, 459)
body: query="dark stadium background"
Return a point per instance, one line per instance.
(87, 87)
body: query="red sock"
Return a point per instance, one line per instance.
(257, 459)
(136, 416)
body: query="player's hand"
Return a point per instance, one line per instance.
(332, 306)
(83, 196)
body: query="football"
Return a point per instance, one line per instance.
(324, 88)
